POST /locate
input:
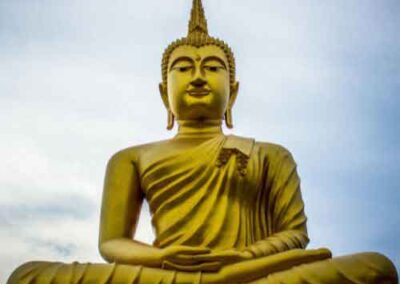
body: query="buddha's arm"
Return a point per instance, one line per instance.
(122, 201)
(285, 211)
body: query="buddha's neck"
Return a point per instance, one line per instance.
(199, 128)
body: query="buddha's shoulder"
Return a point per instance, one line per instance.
(265, 150)
(134, 153)
(274, 154)
(272, 149)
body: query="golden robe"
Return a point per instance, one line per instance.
(243, 195)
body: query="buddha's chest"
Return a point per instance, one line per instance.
(187, 177)
(201, 203)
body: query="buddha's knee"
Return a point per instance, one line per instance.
(381, 264)
(23, 271)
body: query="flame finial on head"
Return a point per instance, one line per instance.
(198, 21)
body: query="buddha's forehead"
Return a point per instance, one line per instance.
(198, 53)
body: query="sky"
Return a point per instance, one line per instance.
(79, 81)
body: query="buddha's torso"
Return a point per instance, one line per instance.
(194, 202)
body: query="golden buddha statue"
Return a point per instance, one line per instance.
(225, 209)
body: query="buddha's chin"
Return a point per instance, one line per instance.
(201, 111)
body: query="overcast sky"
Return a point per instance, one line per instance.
(78, 82)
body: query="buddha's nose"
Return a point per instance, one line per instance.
(198, 82)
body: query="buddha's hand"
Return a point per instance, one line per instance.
(185, 258)
(225, 256)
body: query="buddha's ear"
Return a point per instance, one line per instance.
(164, 95)
(233, 94)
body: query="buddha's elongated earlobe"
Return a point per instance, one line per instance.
(232, 99)
(164, 96)
(171, 120)
(228, 118)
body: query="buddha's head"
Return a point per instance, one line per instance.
(198, 75)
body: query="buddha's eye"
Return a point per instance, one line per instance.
(212, 68)
(183, 68)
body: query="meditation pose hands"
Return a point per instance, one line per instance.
(196, 259)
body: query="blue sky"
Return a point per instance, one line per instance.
(78, 82)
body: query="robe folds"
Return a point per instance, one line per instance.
(228, 192)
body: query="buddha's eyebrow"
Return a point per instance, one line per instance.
(216, 58)
(182, 58)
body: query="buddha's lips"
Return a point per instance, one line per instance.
(199, 92)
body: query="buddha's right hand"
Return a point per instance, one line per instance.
(183, 258)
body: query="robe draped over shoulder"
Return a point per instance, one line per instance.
(228, 192)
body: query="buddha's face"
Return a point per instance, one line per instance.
(198, 85)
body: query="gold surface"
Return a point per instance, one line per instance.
(225, 209)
